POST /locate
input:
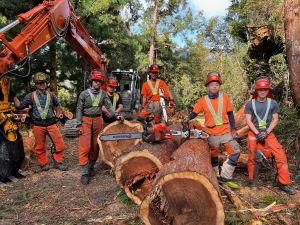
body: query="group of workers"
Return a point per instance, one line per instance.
(95, 104)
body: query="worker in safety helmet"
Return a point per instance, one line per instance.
(220, 125)
(90, 123)
(45, 111)
(262, 114)
(115, 100)
(150, 95)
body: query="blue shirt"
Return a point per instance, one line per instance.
(28, 100)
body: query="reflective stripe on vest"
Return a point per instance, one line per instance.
(154, 90)
(115, 100)
(217, 118)
(95, 100)
(43, 112)
(262, 123)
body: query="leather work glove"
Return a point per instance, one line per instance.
(261, 136)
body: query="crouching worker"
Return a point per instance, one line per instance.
(43, 104)
(90, 124)
(220, 125)
(262, 115)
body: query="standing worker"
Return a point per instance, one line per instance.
(220, 125)
(44, 121)
(115, 100)
(262, 115)
(90, 124)
(150, 95)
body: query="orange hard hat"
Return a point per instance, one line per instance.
(96, 75)
(213, 76)
(262, 83)
(153, 68)
(112, 83)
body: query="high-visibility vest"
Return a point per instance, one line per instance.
(262, 123)
(95, 98)
(42, 111)
(154, 90)
(115, 100)
(217, 117)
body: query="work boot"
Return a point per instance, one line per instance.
(85, 178)
(287, 189)
(60, 166)
(92, 171)
(45, 167)
(226, 175)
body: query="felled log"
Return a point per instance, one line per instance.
(111, 150)
(136, 170)
(185, 190)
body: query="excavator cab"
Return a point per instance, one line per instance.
(130, 90)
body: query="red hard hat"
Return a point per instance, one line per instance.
(96, 75)
(213, 76)
(112, 83)
(262, 83)
(153, 68)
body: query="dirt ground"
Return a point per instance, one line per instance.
(57, 198)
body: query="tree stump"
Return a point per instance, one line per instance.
(111, 150)
(185, 190)
(136, 170)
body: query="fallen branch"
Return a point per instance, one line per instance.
(236, 201)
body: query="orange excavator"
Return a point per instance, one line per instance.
(45, 22)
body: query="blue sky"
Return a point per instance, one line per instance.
(210, 7)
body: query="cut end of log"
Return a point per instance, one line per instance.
(111, 150)
(135, 171)
(169, 204)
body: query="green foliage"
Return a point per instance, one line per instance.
(23, 197)
(269, 199)
(124, 198)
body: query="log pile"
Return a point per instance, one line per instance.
(174, 182)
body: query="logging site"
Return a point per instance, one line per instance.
(155, 112)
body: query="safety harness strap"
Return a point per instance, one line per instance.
(262, 123)
(95, 99)
(43, 112)
(217, 118)
(154, 90)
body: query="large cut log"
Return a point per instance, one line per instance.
(185, 190)
(111, 150)
(136, 170)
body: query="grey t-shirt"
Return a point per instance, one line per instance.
(261, 108)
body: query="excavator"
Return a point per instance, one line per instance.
(45, 22)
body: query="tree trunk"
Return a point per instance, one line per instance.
(153, 33)
(53, 68)
(136, 169)
(292, 31)
(185, 190)
(111, 150)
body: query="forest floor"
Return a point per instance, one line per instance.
(57, 197)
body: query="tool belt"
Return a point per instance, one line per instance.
(92, 115)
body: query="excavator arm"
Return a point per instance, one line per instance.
(48, 20)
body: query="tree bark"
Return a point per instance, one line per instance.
(111, 150)
(153, 33)
(53, 68)
(136, 170)
(185, 190)
(292, 31)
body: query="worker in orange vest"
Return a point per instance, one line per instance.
(220, 125)
(45, 112)
(262, 115)
(151, 97)
(90, 124)
(115, 100)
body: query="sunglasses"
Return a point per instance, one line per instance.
(40, 82)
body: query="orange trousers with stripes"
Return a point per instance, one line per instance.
(88, 145)
(40, 139)
(275, 148)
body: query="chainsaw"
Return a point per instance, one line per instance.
(156, 133)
